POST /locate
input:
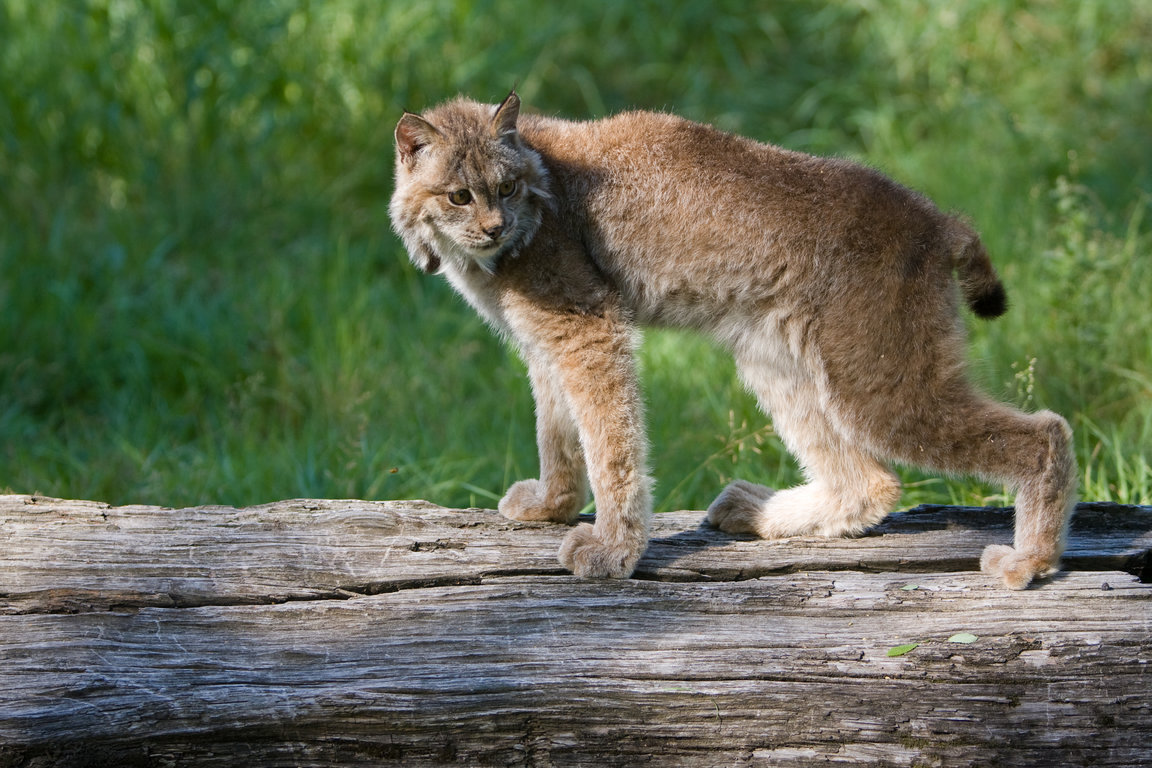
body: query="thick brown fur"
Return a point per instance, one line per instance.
(836, 290)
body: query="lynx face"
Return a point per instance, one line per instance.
(479, 217)
(469, 187)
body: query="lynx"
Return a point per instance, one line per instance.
(836, 290)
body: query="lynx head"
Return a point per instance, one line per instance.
(468, 190)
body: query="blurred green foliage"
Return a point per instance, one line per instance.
(201, 301)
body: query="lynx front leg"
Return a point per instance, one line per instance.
(591, 355)
(560, 492)
(612, 432)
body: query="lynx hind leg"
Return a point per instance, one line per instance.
(739, 507)
(1031, 452)
(844, 497)
(1044, 503)
(847, 491)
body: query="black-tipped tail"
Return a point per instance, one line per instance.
(979, 282)
(991, 304)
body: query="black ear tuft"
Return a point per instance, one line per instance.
(504, 121)
(413, 133)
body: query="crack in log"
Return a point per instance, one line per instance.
(74, 601)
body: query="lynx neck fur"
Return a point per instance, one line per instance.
(836, 290)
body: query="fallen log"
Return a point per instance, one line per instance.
(401, 633)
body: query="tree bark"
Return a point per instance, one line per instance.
(400, 633)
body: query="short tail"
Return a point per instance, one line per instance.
(979, 282)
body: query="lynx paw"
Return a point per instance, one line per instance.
(740, 507)
(1014, 568)
(587, 556)
(527, 500)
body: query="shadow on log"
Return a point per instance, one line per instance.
(319, 633)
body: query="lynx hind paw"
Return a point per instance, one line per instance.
(1015, 569)
(740, 507)
(588, 557)
(526, 500)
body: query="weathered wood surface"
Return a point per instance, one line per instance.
(400, 633)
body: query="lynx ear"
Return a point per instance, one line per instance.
(504, 121)
(413, 133)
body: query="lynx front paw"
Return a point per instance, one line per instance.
(528, 500)
(1015, 569)
(587, 556)
(740, 508)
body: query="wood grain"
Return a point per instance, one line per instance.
(400, 633)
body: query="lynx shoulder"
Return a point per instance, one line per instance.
(837, 291)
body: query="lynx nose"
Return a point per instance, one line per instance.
(494, 231)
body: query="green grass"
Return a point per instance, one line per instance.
(201, 301)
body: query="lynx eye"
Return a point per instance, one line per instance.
(460, 197)
(506, 188)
